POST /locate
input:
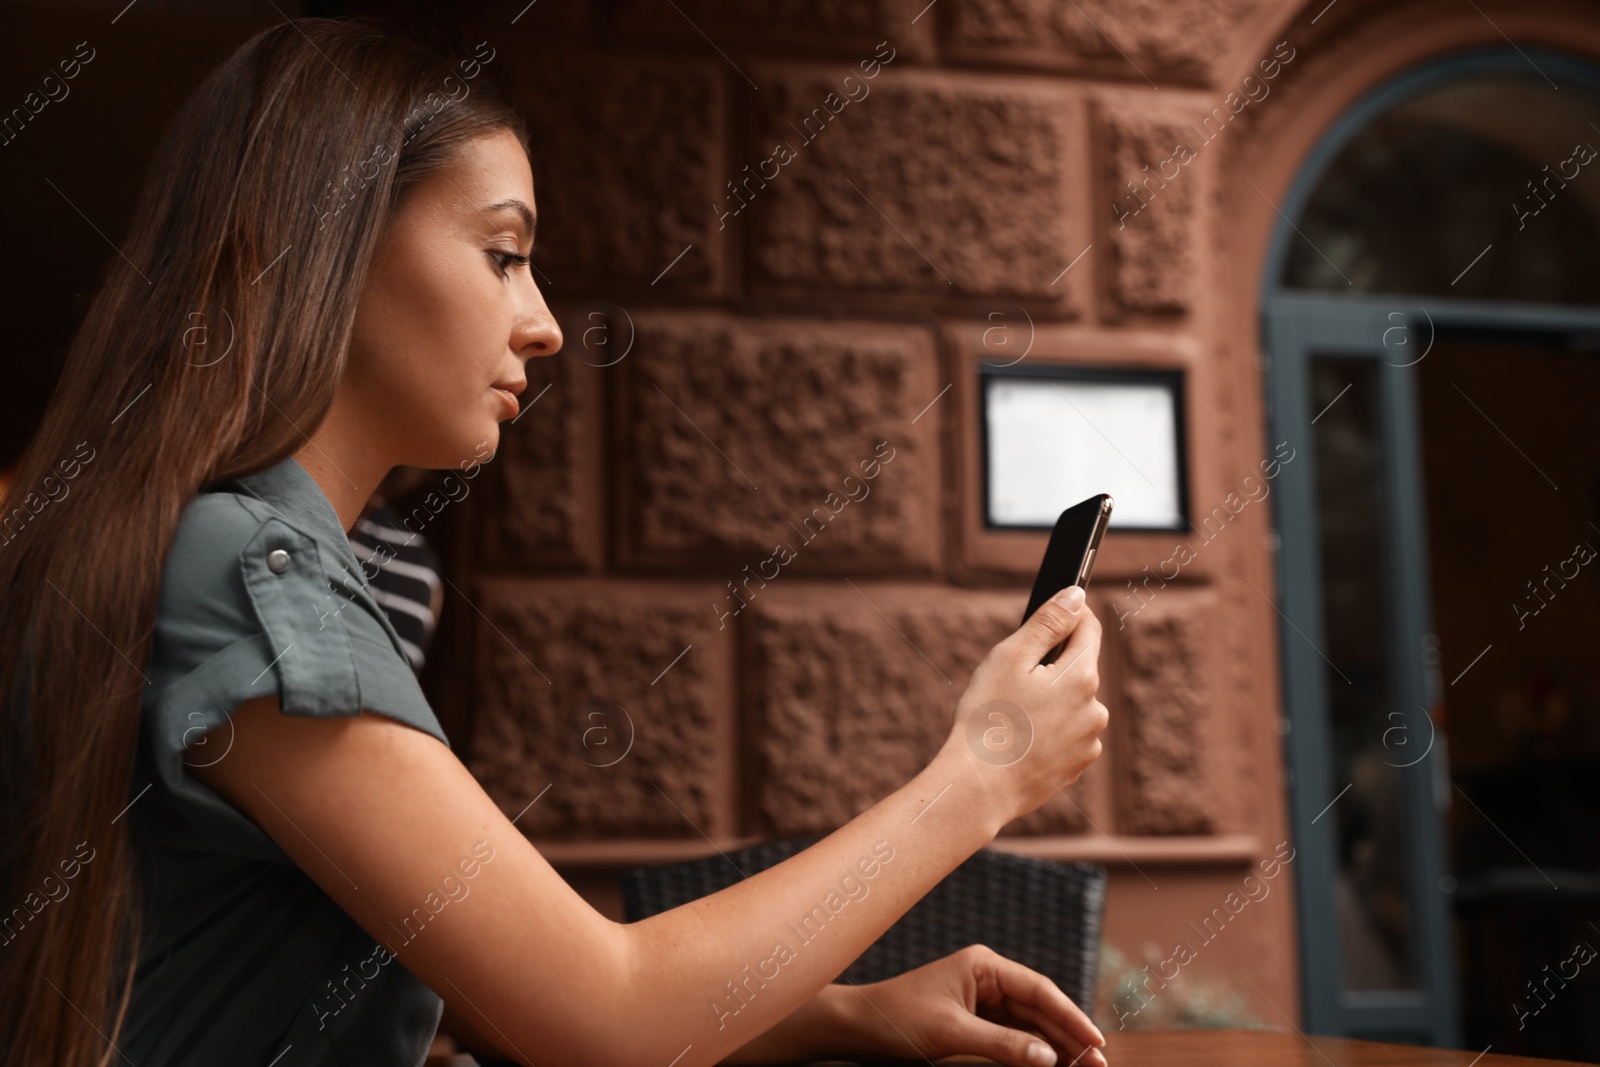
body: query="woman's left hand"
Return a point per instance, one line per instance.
(976, 1002)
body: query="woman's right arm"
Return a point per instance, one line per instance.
(390, 823)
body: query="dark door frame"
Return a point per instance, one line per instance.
(1396, 330)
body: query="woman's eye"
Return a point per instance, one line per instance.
(504, 259)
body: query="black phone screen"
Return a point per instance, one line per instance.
(1070, 553)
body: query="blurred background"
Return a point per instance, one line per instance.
(1311, 289)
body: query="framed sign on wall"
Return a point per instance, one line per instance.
(1053, 434)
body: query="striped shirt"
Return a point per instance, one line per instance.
(406, 583)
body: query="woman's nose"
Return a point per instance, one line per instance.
(539, 335)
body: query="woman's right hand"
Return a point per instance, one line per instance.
(1024, 728)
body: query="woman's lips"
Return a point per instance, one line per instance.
(510, 398)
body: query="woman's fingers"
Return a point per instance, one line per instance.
(1084, 642)
(1071, 1049)
(1009, 1045)
(1026, 986)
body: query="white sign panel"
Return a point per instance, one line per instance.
(1053, 442)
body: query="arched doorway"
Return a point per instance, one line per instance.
(1431, 313)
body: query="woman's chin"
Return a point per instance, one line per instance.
(460, 450)
(473, 449)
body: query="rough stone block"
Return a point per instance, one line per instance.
(626, 160)
(911, 182)
(585, 686)
(740, 437)
(1164, 752)
(853, 690)
(844, 27)
(1154, 166)
(1162, 41)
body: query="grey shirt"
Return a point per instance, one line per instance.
(244, 959)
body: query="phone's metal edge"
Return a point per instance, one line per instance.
(1101, 522)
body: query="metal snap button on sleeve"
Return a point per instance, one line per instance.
(278, 561)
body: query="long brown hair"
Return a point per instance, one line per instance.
(213, 345)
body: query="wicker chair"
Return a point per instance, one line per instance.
(1043, 914)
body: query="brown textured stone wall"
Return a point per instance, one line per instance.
(695, 619)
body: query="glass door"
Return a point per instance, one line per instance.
(1450, 204)
(1369, 776)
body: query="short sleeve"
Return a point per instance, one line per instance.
(247, 609)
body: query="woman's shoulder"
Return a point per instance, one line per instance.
(215, 546)
(216, 525)
(254, 592)
(218, 521)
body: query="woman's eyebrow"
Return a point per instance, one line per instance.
(529, 223)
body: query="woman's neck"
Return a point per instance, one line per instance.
(348, 472)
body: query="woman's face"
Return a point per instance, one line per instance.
(448, 313)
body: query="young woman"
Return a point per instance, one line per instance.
(233, 829)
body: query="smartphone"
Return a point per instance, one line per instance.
(1069, 557)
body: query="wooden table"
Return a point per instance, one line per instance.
(1244, 1048)
(1273, 1048)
